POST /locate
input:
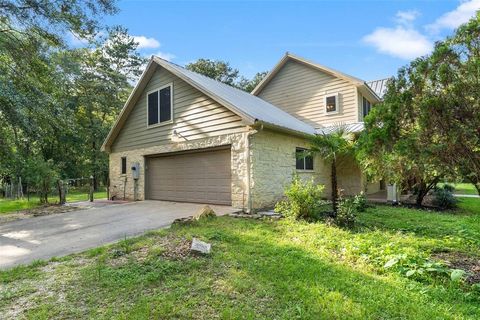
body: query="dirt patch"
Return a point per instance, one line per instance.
(169, 247)
(457, 260)
(43, 210)
(175, 247)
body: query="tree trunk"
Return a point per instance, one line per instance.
(334, 188)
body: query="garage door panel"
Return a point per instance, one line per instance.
(192, 177)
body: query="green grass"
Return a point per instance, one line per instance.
(259, 269)
(8, 206)
(464, 188)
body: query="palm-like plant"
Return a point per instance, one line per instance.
(330, 146)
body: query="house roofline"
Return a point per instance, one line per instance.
(289, 56)
(132, 99)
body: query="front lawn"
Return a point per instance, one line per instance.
(464, 188)
(261, 269)
(8, 205)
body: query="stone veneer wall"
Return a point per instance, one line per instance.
(273, 165)
(238, 158)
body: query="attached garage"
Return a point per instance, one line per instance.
(199, 176)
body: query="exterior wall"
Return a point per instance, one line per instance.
(195, 116)
(120, 183)
(273, 166)
(300, 90)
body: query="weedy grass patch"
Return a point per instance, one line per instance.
(389, 266)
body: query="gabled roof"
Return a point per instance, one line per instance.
(379, 86)
(251, 108)
(291, 57)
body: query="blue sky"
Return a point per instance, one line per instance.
(367, 39)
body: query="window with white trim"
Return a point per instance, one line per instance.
(304, 160)
(331, 104)
(367, 106)
(160, 106)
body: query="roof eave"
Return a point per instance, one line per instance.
(248, 120)
(283, 129)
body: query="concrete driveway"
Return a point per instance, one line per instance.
(24, 241)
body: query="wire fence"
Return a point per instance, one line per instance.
(73, 189)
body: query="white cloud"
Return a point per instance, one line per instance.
(165, 55)
(456, 17)
(406, 18)
(146, 43)
(402, 42)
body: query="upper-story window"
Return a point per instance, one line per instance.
(331, 104)
(304, 160)
(367, 106)
(160, 105)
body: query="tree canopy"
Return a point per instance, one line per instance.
(223, 72)
(427, 127)
(58, 103)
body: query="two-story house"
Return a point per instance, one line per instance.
(182, 136)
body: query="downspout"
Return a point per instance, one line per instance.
(248, 155)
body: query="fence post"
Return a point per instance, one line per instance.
(91, 189)
(61, 192)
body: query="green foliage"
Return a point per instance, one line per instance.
(331, 147)
(303, 200)
(347, 213)
(443, 197)
(223, 72)
(41, 175)
(427, 126)
(326, 272)
(360, 201)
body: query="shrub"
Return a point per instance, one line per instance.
(302, 200)
(443, 197)
(360, 201)
(347, 213)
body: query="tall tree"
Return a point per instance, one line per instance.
(427, 128)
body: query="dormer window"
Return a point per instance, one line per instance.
(331, 104)
(159, 106)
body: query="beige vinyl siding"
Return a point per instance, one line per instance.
(195, 116)
(300, 90)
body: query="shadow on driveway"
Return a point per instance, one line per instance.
(24, 241)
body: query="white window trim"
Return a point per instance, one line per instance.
(337, 104)
(159, 124)
(304, 170)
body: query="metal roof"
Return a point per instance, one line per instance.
(379, 86)
(349, 127)
(244, 103)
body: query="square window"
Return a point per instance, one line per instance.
(124, 165)
(303, 160)
(159, 105)
(331, 104)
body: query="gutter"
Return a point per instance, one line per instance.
(262, 124)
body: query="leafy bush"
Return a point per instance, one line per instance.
(360, 201)
(302, 200)
(347, 213)
(443, 197)
(448, 187)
